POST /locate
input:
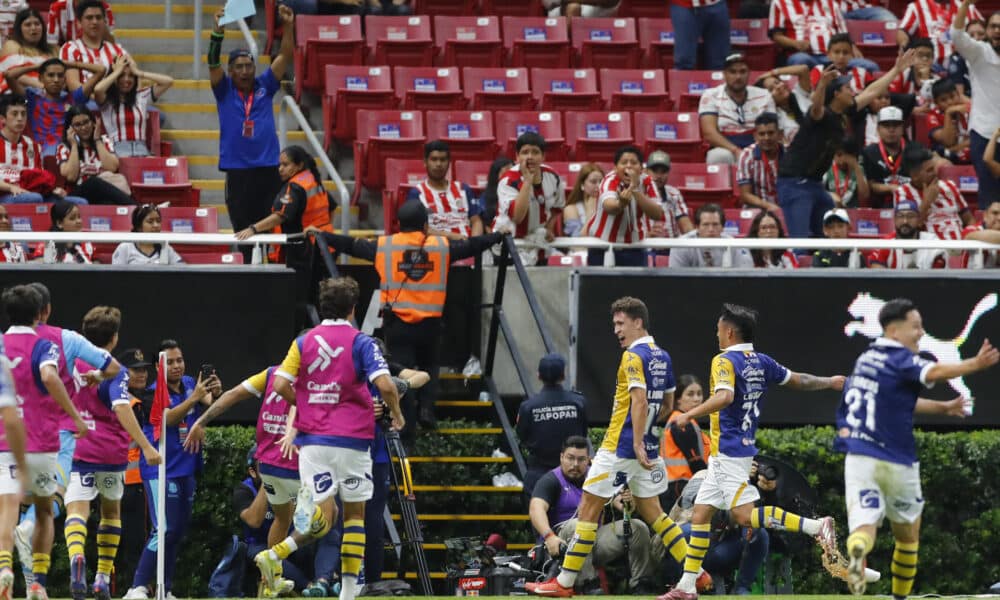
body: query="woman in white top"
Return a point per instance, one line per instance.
(582, 201)
(125, 105)
(26, 44)
(145, 219)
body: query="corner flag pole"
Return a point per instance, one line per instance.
(162, 397)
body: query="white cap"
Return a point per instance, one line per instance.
(890, 114)
(837, 213)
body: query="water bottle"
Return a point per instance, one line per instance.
(256, 257)
(49, 256)
(484, 396)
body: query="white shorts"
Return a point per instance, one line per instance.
(875, 489)
(604, 472)
(41, 479)
(8, 475)
(332, 471)
(726, 484)
(84, 487)
(279, 490)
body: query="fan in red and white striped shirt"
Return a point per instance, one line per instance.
(932, 20)
(809, 20)
(63, 25)
(948, 213)
(79, 51)
(450, 211)
(626, 220)
(16, 156)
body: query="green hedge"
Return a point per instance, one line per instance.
(960, 472)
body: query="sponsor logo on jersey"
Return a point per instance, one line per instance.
(322, 482)
(869, 498)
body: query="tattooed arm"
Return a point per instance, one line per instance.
(810, 383)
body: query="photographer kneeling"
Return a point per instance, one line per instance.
(552, 510)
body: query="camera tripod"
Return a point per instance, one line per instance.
(403, 480)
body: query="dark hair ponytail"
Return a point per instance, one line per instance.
(299, 156)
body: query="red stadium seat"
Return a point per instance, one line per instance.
(456, 8)
(656, 39)
(468, 41)
(469, 133)
(504, 88)
(106, 218)
(157, 179)
(384, 134)
(686, 87)
(642, 8)
(595, 136)
(536, 41)
(519, 8)
(677, 133)
(423, 88)
(634, 89)
(606, 43)
(188, 219)
(566, 89)
(29, 217)
(737, 221)
(750, 37)
(965, 177)
(400, 176)
(701, 183)
(154, 139)
(349, 89)
(473, 173)
(921, 129)
(876, 39)
(871, 222)
(510, 125)
(394, 41)
(323, 40)
(563, 260)
(212, 258)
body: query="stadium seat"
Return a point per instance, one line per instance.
(536, 42)
(468, 41)
(102, 217)
(271, 29)
(701, 183)
(634, 89)
(399, 41)
(323, 40)
(423, 88)
(212, 258)
(686, 87)
(510, 125)
(921, 129)
(384, 134)
(965, 177)
(158, 179)
(595, 136)
(566, 260)
(503, 88)
(518, 8)
(455, 8)
(656, 39)
(606, 43)
(641, 8)
(29, 217)
(677, 133)
(156, 145)
(400, 176)
(566, 89)
(189, 219)
(805, 261)
(871, 222)
(473, 173)
(750, 37)
(876, 40)
(469, 133)
(349, 89)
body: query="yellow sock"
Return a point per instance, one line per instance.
(6, 559)
(577, 552)
(318, 526)
(284, 548)
(109, 534)
(904, 568)
(352, 548)
(673, 537)
(772, 517)
(40, 566)
(697, 547)
(76, 534)
(860, 538)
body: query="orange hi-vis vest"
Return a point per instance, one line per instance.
(316, 213)
(132, 475)
(413, 268)
(673, 457)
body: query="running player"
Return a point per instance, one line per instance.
(12, 468)
(739, 380)
(100, 459)
(644, 394)
(43, 399)
(336, 425)
(875, 430)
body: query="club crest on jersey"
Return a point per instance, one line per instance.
(656, 475)
(416, 264)
(109, 482)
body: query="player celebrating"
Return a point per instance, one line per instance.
(99, 459)
(875, 429)
(336, 426)
(739, 380)
(644, 393)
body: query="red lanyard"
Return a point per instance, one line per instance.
(892, 163)
(247, 103)
(841, 190)
(769, 175)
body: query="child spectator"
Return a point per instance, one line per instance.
(931, 19)
(582, 201)
(145, 219)
(845, 181)
(840, 52)
(47, 105)
(66, 217)
(804, 30)
(918, 79)
(63, 25)
(25, 45)
(870, 118)
(87, 160)
(125, 105)
(948, 121)
(942, 207)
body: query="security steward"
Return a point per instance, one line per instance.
(135, 521)
(685, 452)
(413, 267)
(547, 418)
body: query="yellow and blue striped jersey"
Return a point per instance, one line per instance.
(644, 365)
(747, 374)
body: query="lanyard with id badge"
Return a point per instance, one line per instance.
(247, 107)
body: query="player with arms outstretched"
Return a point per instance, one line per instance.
(644, 394)
(739, 381)
(875, 430)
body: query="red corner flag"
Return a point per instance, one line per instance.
(161, 397)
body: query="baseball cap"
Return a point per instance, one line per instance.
(890, 114)
(659, 158)
(905, 205)
(133, 358)
(552, 368)
(735, 57)
(836, 213)
(239, 52)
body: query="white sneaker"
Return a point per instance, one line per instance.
(22, 541)
(139, 592)
(871, 575)
(170, 596)
(305, 506)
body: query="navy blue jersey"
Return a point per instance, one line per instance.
(875, 417)
(747, 374)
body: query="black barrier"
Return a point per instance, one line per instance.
(815, 321)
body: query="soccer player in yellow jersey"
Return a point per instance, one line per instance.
(739, 380)
(644, 393)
